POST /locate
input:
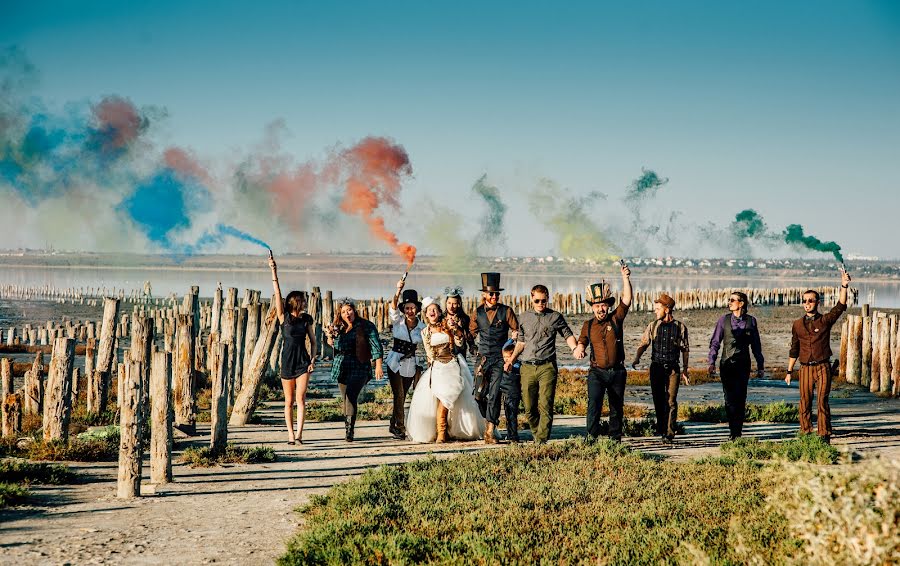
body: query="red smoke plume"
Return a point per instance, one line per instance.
(186, 164)
(374, 168)
(119, 121)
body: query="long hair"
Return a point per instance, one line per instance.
(743, 297)
(293, 300)
(363, 351)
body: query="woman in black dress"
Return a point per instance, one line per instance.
(296, 361)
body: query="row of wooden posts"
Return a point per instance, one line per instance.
(870, 350)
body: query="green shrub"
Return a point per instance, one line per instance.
(324, 411)
(17, 470)
(568, 502)
(204, 457)
(779, 412)
(805, 448)
(12, 494)
(316, 393)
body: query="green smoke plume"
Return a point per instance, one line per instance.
(568, 219)
(492, 235)
(748, 224)
(647, 185)
(793, 234)
(442, 234)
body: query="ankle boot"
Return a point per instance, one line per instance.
(489, 434)
(441, 423)
(348, 430)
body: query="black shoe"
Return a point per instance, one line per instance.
(665, 439)
(826, 438)
(398, 434)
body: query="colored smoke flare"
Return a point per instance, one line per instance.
(374, 170)
(793, 234)
(227, 230)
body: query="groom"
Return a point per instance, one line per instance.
(491, 327)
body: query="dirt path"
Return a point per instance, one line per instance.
(244, 514)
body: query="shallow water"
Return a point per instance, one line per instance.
(369, 284)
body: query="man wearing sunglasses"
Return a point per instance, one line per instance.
(537, 346)
(736, 334)
(811, 346)
(491, 327)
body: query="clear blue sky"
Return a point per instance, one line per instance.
(790, 108)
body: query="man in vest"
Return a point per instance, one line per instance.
(669, 338)
(603, 332)
(491, 326)
(536, 344)
(736, 333)
(811, 346)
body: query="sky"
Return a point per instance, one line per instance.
(786, 108)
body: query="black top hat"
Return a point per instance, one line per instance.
(600, 293)
(411, 296)
(490, 282)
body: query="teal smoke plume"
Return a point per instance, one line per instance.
(492, 230)
(793, 234)
(748, 224)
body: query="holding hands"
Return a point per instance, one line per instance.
(578, 352)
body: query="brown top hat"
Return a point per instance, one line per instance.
(665, 300)
(411, 296)
(490, 282)
(600, 293)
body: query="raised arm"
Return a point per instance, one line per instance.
(626, 286)
(396, 298)
(276, 289)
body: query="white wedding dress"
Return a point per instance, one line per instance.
(450, 383)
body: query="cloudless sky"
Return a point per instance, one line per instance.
(790, 108)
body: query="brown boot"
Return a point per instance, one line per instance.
(489, 434)
(441, 423)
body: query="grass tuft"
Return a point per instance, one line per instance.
(804, 448)
(205, 458)
(12, 494)
(17, 470)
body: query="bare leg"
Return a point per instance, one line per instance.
(290, 389)
(302, 384)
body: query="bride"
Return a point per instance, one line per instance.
(442, 406)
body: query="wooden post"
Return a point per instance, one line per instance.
(239, 340)
(106, 349)
(219, 404)
(141, 346)
(6, 377)
(845, 337)
(215, 326)
(131, 452)
(884, 352)
(854, 344)
(247, 399)
(93, 378)
(58, 399)
(183, 379)
(251, 334)
(12, 414)
(866, 369)
(161, 418)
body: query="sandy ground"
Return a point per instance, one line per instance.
(244, 514)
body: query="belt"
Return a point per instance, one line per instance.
(825, 361)
(549, 360)
(620, 365)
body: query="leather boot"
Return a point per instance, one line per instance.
(489, 434)
(441, 423)
(348, 430)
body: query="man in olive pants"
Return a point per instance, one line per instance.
(537, 346)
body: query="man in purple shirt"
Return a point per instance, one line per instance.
(736, 334)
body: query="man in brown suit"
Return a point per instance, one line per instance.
(811, 346)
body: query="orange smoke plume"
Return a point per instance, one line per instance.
(375, 167)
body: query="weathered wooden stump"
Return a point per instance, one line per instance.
(219, 408)
(131, 452)
(6, 377)
(12, 414)
(183, 378)
(161, 419)
(58, 394)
